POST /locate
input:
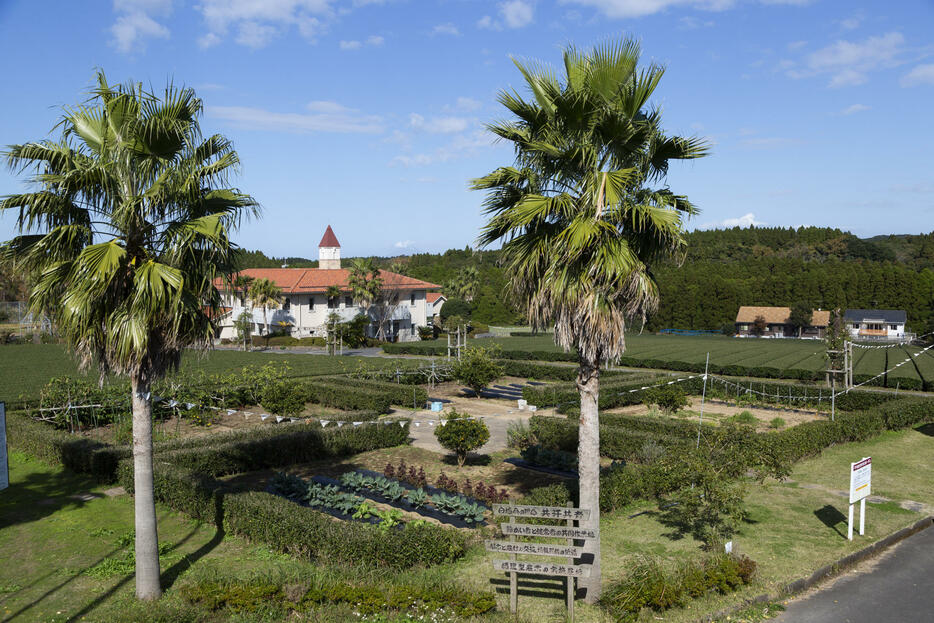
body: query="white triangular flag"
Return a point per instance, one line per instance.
(357, 423)
(231, 411)
(418, 423)
(325, 423)
(173, 403)
(189, 405)
(402, 424)
(339, 424)
(248, 413)
(431, 422)
(263, 417)
(279, 418)
(440, 422)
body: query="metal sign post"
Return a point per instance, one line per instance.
(860, 489)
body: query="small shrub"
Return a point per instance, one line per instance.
(462, 434)
(669, 398)
(285, 398)
(745, 418)
(477, 368)
(776, 422)
(519, 435)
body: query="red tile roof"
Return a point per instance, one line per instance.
(317, 280)
(329, 239)
(431, 297)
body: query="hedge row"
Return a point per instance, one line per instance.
(620, 487)
(614, 392)
(255, 448)
(616, 442)
(57, 447)
(297, 530)
(682, 366)
(300, 443)
(341, 394)
(396, 393)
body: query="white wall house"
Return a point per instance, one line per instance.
(435, 303)
(305, 307)
(876, 324)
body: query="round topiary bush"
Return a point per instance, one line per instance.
(462, 434)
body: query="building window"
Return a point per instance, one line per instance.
(287, 304)
(333, 302)
(348, 301)
(412, 300)
(893, 327)
(311, 303)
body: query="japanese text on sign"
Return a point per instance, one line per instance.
(542, 568)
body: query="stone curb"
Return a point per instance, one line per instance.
(831, 570)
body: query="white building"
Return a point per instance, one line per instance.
(876, 324)
(304, 307)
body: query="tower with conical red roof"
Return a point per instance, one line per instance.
(329, 251)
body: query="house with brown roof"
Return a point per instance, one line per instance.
(305, 306)
(435, 303)
(776, 322)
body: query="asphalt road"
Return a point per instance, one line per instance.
(898, 588)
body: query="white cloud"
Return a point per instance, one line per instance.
(796, 45)
(135, 23)
(438, 125)
(372, 41)
(692, 23)
(403, 244)
(642, 8)
(920, 75)
(322, 116)
(209, 40)
(746, 220)
(468, 104)
(486, 22)
(446, 29)
(849, 63)
(255, 35)
(462, 145)
(517, 13)
(259, 21)
(767, 142)
(854, 108)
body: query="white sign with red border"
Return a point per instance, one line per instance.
(860, 479)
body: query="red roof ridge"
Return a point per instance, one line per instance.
(329, 239)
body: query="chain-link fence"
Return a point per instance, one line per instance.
(16, 323)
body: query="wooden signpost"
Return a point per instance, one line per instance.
(513, 548)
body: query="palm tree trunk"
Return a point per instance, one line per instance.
(147, 538)
(588, 462)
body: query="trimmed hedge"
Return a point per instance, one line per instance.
(297, 530)
(57, 447)
(238, 450)
(614, 392)
(301, 443)
(396, 393)
(343, 394)
(616, 442)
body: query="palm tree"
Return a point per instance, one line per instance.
(365, 283)
(265, 293)
(127, 233)
(241, 285)
(334, 294)
(468, 282)
(579, 222)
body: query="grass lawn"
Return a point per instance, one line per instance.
(786, 353)
(25, 368)
(900, 465)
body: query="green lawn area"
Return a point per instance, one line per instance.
(786, 353)
(25, 368)
(900, 465)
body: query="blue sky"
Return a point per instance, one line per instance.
(369, 115)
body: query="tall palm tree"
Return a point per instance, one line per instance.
(468, 281)
(126, 234)
(365, 283)
(241, 285)
(265, 293)
(580, 223)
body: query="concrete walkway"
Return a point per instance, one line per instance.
(894, 588)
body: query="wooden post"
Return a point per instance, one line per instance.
(571, 587)
(513, 578)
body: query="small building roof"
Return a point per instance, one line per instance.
(432, 297)
(892, 316)
(318, 280)
(329, 239)
(779, 315)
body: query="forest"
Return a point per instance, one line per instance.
(720, 270)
